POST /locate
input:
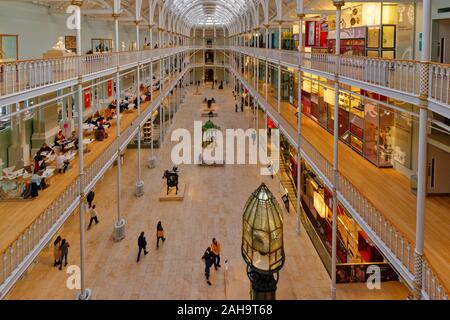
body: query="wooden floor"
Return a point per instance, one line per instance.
(386, 188)
(16, 216)
(212, 207)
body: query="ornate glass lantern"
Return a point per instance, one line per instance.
(262, 242)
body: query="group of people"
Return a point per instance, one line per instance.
(39, 165)
(142, 241)
(60, 252)
(236, 105)
(123, 104)
(100, 121)
(211, 258)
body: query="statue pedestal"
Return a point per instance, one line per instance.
(53, 53)
(163, 196)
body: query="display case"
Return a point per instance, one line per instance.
(101, 45)
(353, 47)
(381, 42)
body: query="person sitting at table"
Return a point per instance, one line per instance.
(74, 137)
(105, 124)
(148, 93)
(100, 133)
(59, 137)
(90, 120)
(61, 163)
(46, 148)
(26, 191)
(123, 105)
(113, 104)
(108, 114)
(39, 163)
(37, 182)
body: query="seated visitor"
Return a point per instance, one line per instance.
(99, 119)
(46, 148)
(61, 163)
(59, 137)
(113, 104)
(26, 191)
(74, 137)
(90, 120)
(108, 114)
(39, 163)
(100, 133)
(123, 105)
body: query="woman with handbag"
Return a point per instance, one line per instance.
(159, 234)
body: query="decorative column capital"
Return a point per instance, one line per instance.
(338, 4)
(77, 3)
(137, 22)
(116, 15)
(300, 15)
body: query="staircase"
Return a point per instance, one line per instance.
(286, 181)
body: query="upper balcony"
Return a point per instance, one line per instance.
(405, 80)
(30, 78)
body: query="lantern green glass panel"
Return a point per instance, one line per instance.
(262, 232)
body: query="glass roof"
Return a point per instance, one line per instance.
(209, 12)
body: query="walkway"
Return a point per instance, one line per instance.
(212, 207)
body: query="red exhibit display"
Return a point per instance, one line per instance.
(110, 88)
(316, 34)
(353, 41)
(270, 123)
(87, 98)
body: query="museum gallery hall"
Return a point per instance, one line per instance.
(224, 150)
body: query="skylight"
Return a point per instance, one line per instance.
(209, 12)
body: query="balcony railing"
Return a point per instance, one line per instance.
(399, 247)
(404, 76)
(20, 76)
(440, 83)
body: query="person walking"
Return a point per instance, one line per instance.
(159, 234)
(94, 217)
(242, 107)
(64, 252)
(142, 244)
(57, 251)
(90, 197)
(209, 260)
(215, 249)
(236, 108)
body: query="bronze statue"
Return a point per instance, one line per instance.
(171, 177)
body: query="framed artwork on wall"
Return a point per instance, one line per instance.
(388, 36)
(373, 37)
(9, 47)
(71, 43)
(101, 45)
(311, 33)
